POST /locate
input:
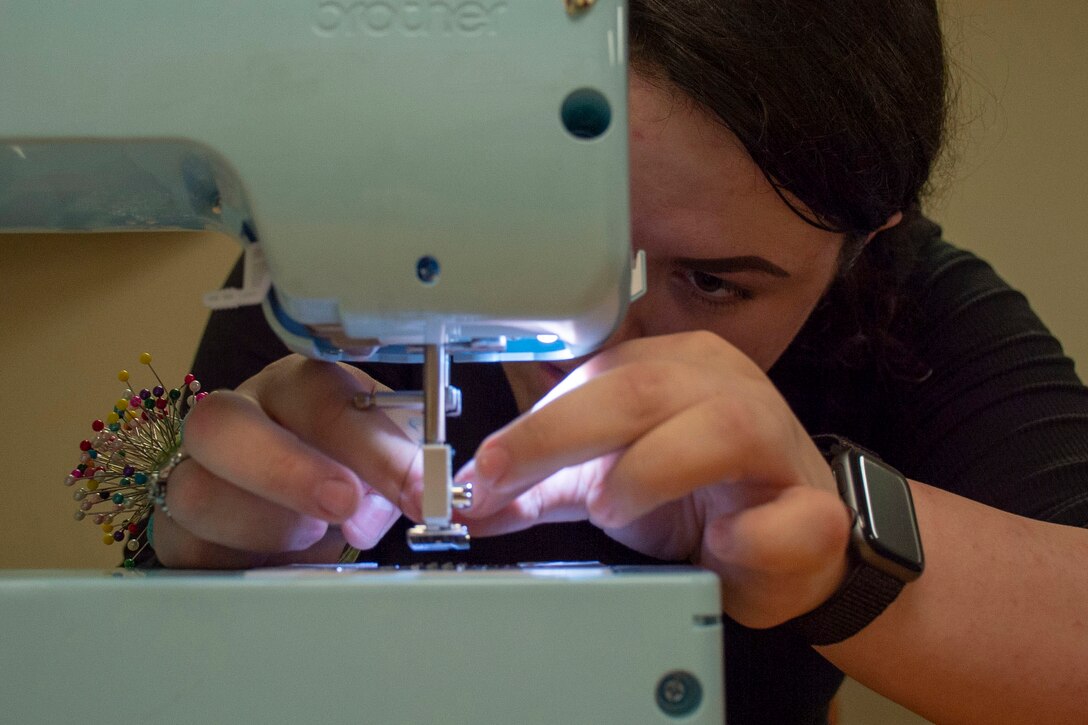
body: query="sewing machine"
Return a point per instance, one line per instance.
(418, 179)
(410, 181)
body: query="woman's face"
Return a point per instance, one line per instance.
(724, 253)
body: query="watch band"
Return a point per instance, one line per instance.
(865, 592)
(863, 595)
(830, 445)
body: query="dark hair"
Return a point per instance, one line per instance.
(842, 104)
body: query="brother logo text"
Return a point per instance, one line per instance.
(411, 18)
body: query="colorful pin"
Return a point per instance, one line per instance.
(138, 437)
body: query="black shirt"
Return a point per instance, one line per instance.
(965, 390)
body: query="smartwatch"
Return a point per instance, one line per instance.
(885, 549)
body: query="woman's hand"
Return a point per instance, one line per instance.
(285, 469)
(679, 447)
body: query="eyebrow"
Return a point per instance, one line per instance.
(734, 264)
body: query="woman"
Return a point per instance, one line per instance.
(779, 150)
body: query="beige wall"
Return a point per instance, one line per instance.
(1019, 192)
(75, 309)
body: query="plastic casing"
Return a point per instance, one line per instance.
(491, 647)
(353, 139)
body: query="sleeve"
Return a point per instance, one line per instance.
(1000, 415)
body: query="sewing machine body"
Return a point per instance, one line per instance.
(408, 179)
(411, 181)
(440, 172)
(534, 646)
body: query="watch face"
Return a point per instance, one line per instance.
(886, 511)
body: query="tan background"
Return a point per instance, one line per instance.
(77, 309)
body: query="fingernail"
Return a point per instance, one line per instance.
(376, 505)
(370, 522)
(337, 497)
(374, 511)
(491, 464)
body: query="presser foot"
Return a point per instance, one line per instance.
(453, 537)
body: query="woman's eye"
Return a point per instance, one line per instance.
(715, 288)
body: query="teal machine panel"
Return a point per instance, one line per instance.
(534, 645)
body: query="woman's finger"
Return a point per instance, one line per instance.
(217, 511)
(727, 440)
(234, 440)
(214, 524)
(605, 414)
(558, 498)
(763, 551)
(373, 519)
(177, 548)
(313, 400)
